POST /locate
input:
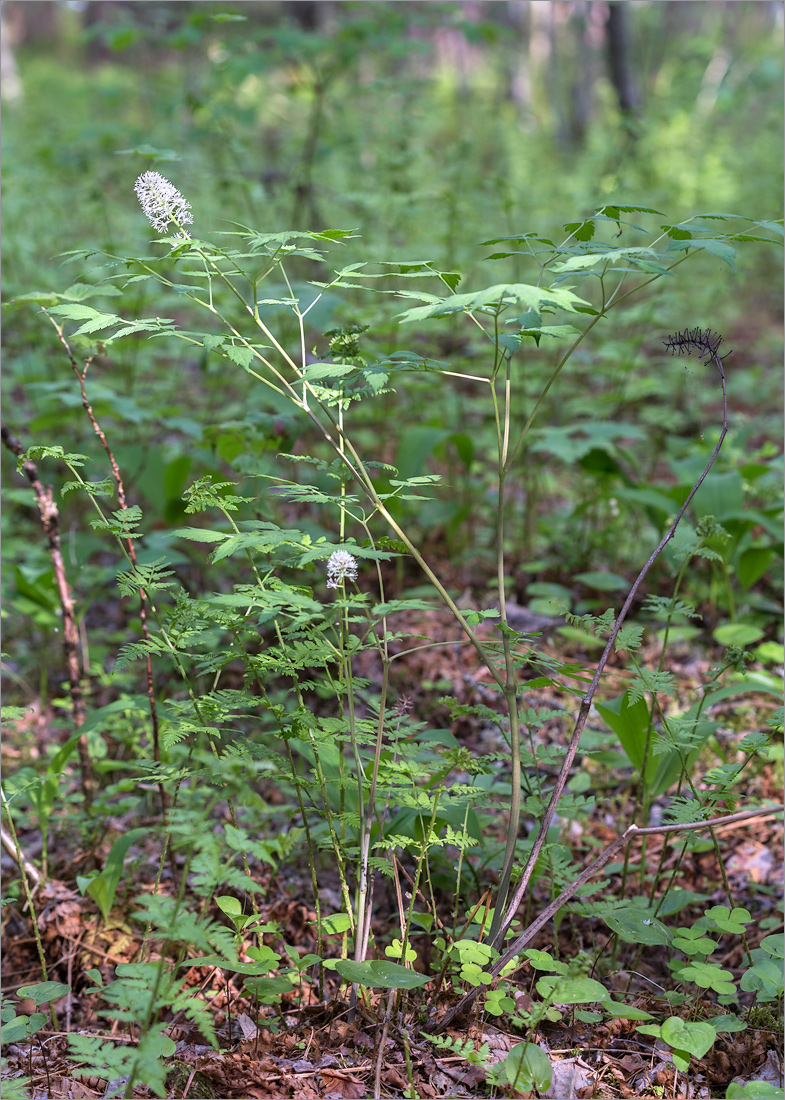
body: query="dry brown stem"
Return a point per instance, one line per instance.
(50, 521)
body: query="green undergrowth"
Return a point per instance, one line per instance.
(283, 460)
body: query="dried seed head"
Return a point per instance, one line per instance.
(705, 342)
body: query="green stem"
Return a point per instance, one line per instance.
(510, 678)
(363, 917)
(20, 859)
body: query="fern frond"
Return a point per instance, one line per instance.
(149, 577)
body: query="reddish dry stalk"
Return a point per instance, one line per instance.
(528, 935)
(51, 524)
(81, 375)
(690, 340)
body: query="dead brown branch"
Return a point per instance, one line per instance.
(50, 521)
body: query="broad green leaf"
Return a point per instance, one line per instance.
(774, 945)
(630, 724)
(635, 925)
(603, 582)
(378, 973)
(591, 259)
(494, 298)
(717, 248)
(198, 534)
(624, 1012)
(336, 922)
(754, 1090)
(695, 1038)
(571, 991)
(753, 564)
(229, 905)
(527, 1066)
(677, 899)
(390, 608)
(737, 634)
(708, 976)
(44, 992)
(415, 446)
(269, 990)
(692, 942)
(20, 1028)
(543, 960)
(103, 887)
(729, 920)
(242, 356)
(727, 1023)
(395, 951)
(765, 978)
(137, 704)
(261, 966)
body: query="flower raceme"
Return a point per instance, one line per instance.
(340, 567)
(161, 202)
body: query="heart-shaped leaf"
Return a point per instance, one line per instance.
(695, 1038)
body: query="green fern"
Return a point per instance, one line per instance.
(149, 577)
(103, 488)
(478, 1056)
(665, 607)
(142, 1064)
(650, 680)
(206, 493)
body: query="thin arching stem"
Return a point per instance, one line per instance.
(587, 700)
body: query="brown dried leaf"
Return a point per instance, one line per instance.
(346, 1087)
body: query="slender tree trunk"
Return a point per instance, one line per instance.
(619, 60)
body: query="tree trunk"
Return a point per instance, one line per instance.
(619, 61)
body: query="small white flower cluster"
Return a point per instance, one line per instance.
(340, 567)
(161, 202)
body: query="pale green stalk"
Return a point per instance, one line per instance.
(354, 464)
(510, 678)
(363, 916)
(347, 901)
(426, 840)
(22, 864)
(458, 874)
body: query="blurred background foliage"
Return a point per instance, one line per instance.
(430, 127)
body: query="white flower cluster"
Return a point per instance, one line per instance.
(340, 567)
(161, 202)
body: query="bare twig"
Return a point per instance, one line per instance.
(50, 521)
(382, 1039)
(81, 374)
(629, 834)
(502, 921)
(20, 858)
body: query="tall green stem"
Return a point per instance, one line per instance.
(510, 679)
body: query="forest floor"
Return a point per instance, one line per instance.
(314, 1044)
